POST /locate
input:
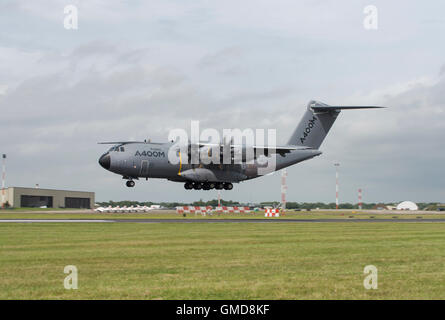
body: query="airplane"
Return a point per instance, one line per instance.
(127, 209)
(145, 159)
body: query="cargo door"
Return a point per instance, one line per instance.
(144, 168)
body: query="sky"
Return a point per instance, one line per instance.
(134, 70)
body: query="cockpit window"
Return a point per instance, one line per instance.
(117, 149)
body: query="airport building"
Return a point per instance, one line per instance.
(407, 205)
(50, 198)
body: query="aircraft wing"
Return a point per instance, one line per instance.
(128, 142)
(120, 142)
(281, 150)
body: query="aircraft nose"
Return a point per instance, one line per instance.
(104, 161)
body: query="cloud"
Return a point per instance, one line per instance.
(397, 149)
(137, 71)
(56, 119)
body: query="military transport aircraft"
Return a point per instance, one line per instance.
(144, 159)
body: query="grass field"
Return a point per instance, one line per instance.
(223, 261)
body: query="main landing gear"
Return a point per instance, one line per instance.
(208, 185)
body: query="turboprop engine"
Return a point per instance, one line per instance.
(220, 154)
(244, 153)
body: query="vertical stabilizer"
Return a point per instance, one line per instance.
(316, 123)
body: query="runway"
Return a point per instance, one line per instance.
(51, 220)
(215, 220)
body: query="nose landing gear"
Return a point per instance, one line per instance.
(130, 183)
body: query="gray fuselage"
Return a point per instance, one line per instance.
(150, 160)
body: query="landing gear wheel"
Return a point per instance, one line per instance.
(206, 186)
(188, 185)
(197, 186)
(212, 185)
(219, 186)
(228, 186)
(130, 183)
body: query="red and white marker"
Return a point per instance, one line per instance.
(272, 212)
(336, 184)
(3, 179)
(283, 189)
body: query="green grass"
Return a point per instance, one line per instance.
(223, 261)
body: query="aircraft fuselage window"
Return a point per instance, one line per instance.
(122, 149)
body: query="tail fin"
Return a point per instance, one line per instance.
(316, 122)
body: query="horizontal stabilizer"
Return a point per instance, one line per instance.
(317, 106)
(356, 107)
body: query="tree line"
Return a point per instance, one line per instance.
(289, 205)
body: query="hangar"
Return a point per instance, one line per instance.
(50, 198)
(407, 205)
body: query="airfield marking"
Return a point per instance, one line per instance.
(211, 220)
